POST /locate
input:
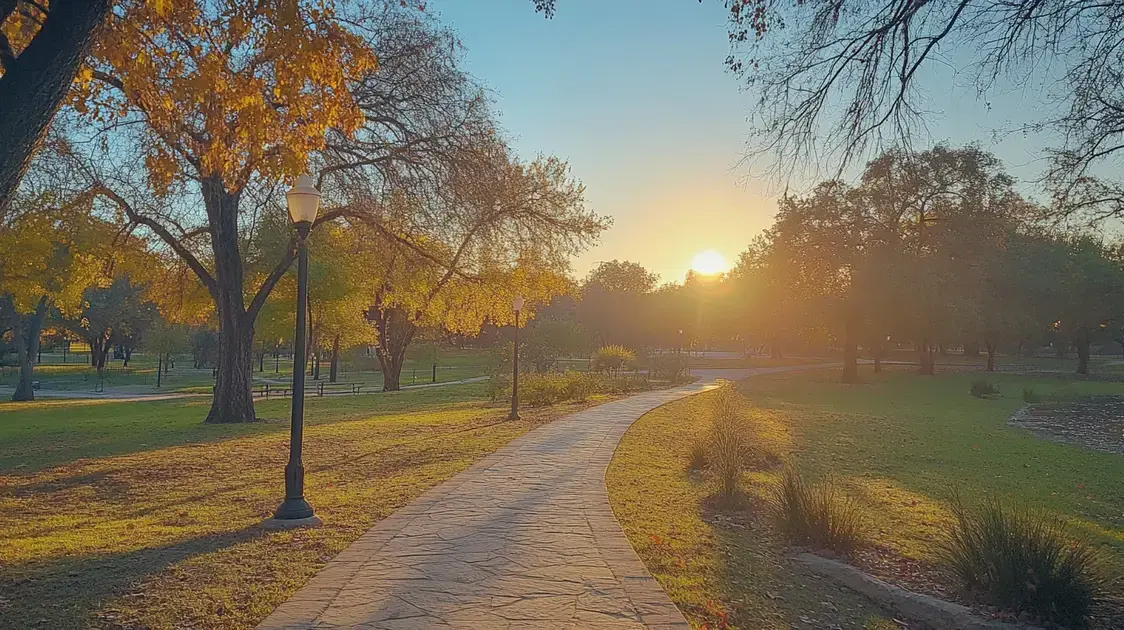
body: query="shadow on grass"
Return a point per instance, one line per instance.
(67, 593)
(33, 438)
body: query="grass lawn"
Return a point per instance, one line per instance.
(138, 515)
(901, 444)
(77, 375)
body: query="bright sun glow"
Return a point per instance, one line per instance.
(709, 263)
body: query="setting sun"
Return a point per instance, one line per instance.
(709, 263)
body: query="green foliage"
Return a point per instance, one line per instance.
(1025, 562)
(982, 388)
(1031, 396)
(671, 367)
(816, 514)
(536, 390)
(612, 359)
(550, 338)
(499, 372)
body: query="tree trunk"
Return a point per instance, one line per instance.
(128, 354)
(990, 355)
(159, 369)
(233, 399)
(35, 83)
(334, 371)
(25, 337)
(1082, 343)
(850, 355)
(396, 332)
(261, 361)
(972, 348)
(877, 364)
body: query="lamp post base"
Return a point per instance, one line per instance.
(291, 523)
(293, 509)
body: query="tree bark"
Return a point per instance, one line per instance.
(25, 337)
(1082, 343)
(850, 354)
(233, 400)
(35, 83)
(334, 371)
(396, 332)
(990, 355)
(128, 355)
(159, 369)
(877, 364)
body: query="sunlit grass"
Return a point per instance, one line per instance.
(901, 445)
(145, 517)
(736, 573)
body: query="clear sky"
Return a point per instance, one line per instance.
(634, 93)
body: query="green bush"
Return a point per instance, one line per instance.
(623, 384)
(537, 390)
(612, 359)
(1025, 562)
(982, 388)
(1031, 396)
(816, 514)
(669, 367)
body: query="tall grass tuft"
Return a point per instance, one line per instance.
(982, 388)
(816, 514)
(697, 456)
(728, 446)
(1025, 562)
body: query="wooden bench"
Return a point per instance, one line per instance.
(320, 389)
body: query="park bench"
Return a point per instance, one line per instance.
(320, 389)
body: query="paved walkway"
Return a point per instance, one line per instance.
(523, 539)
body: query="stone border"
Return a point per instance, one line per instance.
(930, 611)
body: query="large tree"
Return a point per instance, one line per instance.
(230, 98)
(507, 228)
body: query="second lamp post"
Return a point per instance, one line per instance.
(304, 202)
(516, 304)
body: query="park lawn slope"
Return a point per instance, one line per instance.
(900, 444)
(154, 522)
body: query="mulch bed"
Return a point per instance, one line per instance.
(1096, 422)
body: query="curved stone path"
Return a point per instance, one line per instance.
(523, 539)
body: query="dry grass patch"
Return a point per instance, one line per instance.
(168, 537)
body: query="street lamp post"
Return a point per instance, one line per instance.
(517, 304)
(303, 201)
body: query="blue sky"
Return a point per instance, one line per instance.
(635, 95)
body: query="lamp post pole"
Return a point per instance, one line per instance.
(514, 415)
(304, 200)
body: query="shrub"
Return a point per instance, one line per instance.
(696, 457)
(728, 446)
(624, 384)
(1024, 562)
(612, 359)
(1031, 396)
(982, 388)
(669, 367)
(816, 514)
(537, 390)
